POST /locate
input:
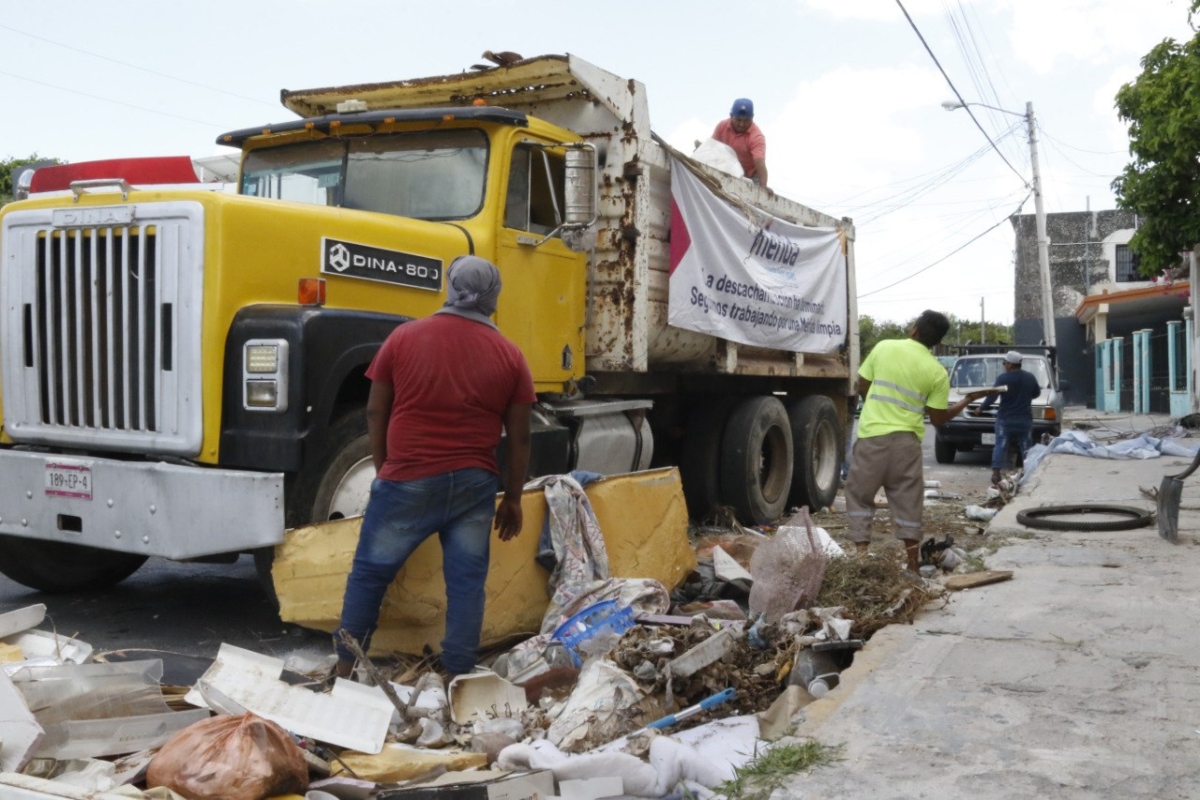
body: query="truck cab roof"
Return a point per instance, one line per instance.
(329, 122)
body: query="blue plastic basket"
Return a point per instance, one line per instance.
(590, 622)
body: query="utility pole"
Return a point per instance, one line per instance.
(1043, 242)
(982, 324)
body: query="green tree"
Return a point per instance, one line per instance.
(871, 332)
(7, 167)
(1162, 182)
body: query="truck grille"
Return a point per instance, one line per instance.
(101, 327)
(98, 332)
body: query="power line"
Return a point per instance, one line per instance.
(952, 252)
(107, 99)
(966, 107)
(134, 66)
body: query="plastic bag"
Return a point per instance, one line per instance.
(230, 758)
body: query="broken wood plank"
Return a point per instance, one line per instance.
(972, 579)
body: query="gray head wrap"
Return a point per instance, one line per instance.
(473, 286)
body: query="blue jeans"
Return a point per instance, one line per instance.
(1006, 432)
(459, 506)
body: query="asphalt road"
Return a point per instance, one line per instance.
(192, 608)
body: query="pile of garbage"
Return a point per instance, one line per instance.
(632, 691)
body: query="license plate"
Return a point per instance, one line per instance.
(987, 438)
(69, 480)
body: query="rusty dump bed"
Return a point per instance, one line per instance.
(627, 303)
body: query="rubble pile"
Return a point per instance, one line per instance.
(632, 688)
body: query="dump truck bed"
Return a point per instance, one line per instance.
(627, 328)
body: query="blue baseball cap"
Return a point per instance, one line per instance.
(743, 108)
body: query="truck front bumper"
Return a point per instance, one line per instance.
(966, 434)
(149, 508)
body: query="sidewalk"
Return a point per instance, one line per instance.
(1079, 678)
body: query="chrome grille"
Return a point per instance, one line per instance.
(101, 327)
(100, 331)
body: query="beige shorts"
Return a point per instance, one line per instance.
(895, 462)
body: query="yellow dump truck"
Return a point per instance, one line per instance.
(182, 368)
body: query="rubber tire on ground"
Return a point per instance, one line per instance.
(756, 459)
(1042, 517)
(820, 447)
(700, 456)
(58, 567)
(943, 452)
(312, 493)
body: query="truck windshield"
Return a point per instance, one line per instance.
(430, 175)
(976, 372)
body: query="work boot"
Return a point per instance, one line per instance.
(996, 477)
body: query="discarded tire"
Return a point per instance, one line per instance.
(1045, 518)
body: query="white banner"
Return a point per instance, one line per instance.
(776, 285)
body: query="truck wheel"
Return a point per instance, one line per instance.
(756, 459)
(700, 459)
(818, 439)
(943, 451)
(58, 567)
(335, 484)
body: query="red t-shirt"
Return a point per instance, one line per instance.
(749, 146)
(453, 380)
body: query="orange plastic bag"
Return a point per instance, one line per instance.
(230, 758)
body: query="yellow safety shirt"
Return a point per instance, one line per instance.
(905, 378)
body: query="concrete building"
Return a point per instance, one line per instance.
(1098, 294)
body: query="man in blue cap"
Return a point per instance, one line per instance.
(746, 139)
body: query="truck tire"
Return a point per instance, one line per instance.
(335, 484)
(756, 459)
(819, 451)
(943, 451)
(700, 457)
(58, 567)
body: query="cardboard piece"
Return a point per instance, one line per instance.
(250, 680)
(711, 650)
(46, 645)
(642, 515)
(481, 785)
(400, 762)
(483, 694)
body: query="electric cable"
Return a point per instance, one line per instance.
(107, 99)
(965, 106)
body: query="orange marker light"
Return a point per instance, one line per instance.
(479, 101)
(311, 292)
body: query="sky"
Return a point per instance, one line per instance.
(846, 93)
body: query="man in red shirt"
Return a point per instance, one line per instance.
(746, 139)
(441, 390)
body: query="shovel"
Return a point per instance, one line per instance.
(1170, 493)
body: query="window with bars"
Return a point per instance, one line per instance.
(1127, 265)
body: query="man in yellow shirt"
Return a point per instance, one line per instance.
(900, 382)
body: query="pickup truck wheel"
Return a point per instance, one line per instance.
(756, 459)
(335, 484)
(943, 451)
(58, 567)
(818, 439)
(700, 458)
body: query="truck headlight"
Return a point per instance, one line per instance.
(264, 375)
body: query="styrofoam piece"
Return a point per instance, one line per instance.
(727, 568)
(38, 645)
(591, 788)
(22, 619)
(251, 680)
(14, 786)
(709, 651)
(429, 701)
(89, 738)
(20, 733)
(480, 692)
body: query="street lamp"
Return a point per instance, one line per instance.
(1043, 242)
